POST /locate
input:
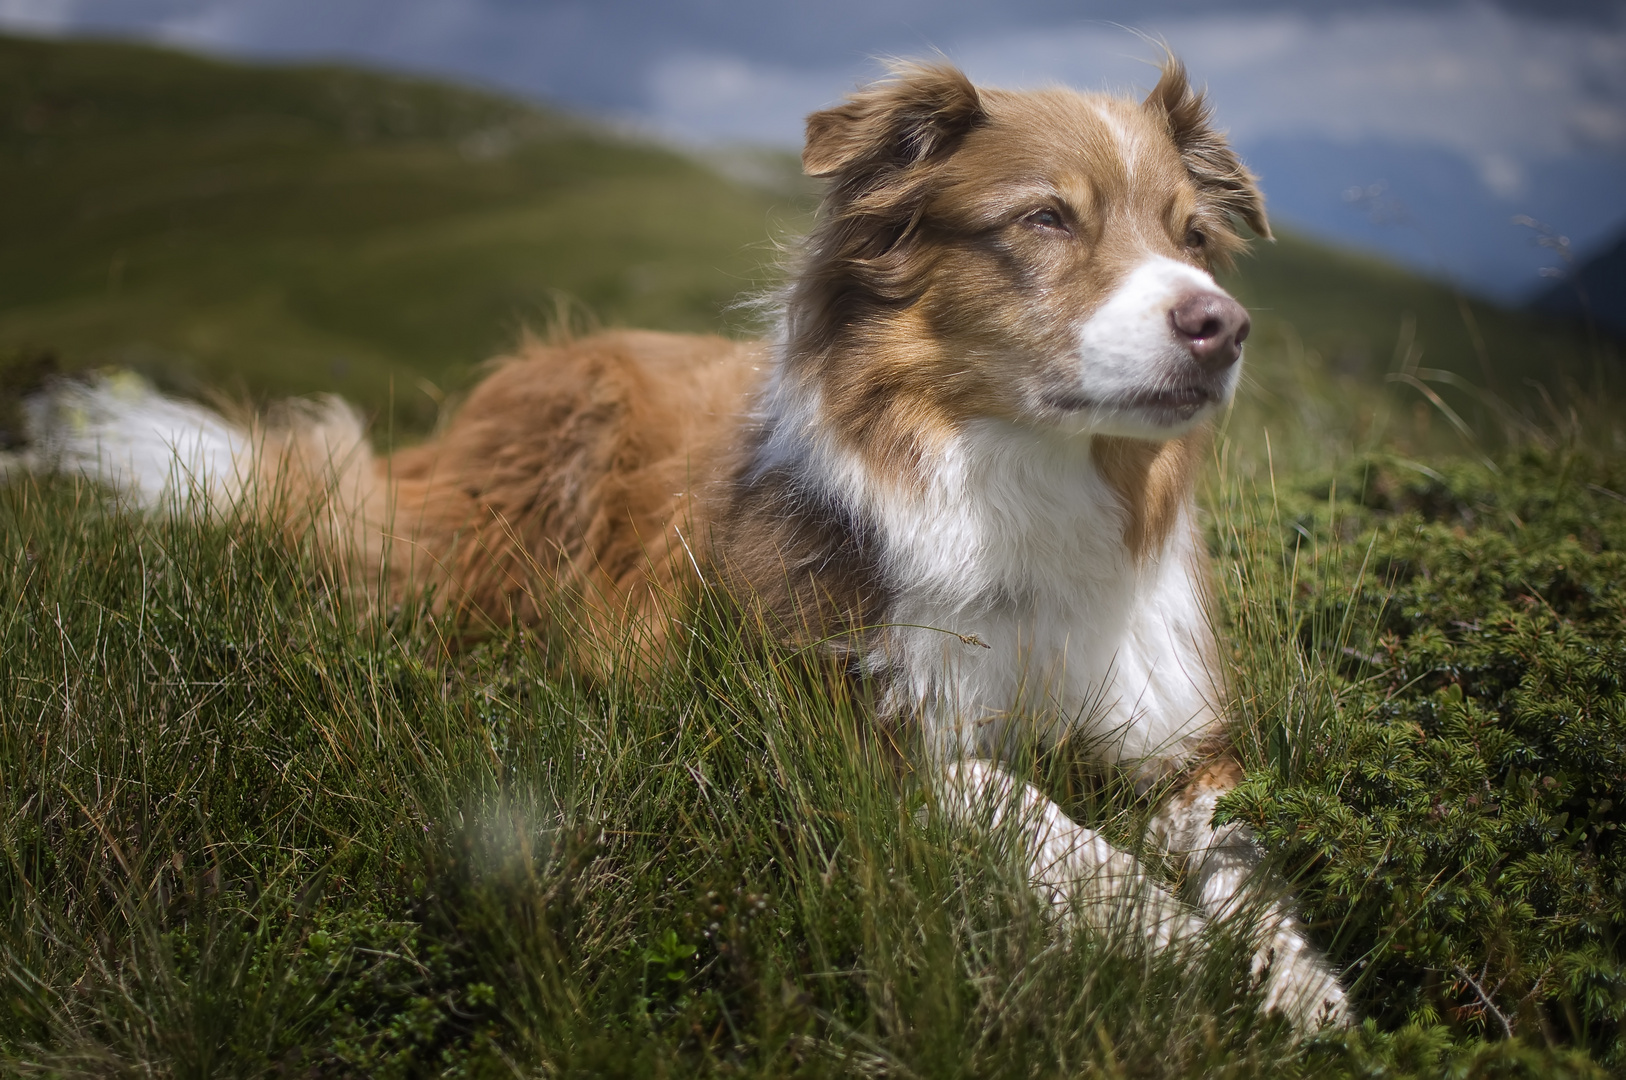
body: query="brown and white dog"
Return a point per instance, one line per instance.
(982, 413)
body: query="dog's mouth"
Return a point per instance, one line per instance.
(1180, 401)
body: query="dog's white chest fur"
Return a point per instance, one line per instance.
(1017, 611)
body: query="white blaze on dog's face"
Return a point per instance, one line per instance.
(1042, 258)
(1078, 245)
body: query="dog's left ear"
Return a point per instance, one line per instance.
(1208, 157)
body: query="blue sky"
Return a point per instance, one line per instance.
(1419, 130)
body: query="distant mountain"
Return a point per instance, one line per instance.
(1430, 208)
(1594, 289)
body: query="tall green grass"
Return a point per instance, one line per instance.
(248, 829)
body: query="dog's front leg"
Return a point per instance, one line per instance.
(1226, 880)
(1073, 867)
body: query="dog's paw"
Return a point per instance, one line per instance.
(1300, 983)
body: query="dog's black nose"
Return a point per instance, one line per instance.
(1212, 326)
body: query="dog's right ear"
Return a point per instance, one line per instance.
(914, 115)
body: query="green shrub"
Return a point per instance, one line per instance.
(1455, 819)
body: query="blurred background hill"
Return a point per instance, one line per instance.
(269, 230)
(286, 230)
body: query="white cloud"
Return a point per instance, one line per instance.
(1477, 80)
(1501, 91)
(725, 98)
(39, 16)
(317, 25)
(1504, 177)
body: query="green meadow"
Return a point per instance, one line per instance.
(249, 828)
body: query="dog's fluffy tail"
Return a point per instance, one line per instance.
(306, 464)
(153, 450)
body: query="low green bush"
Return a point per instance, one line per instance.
(1453, 820)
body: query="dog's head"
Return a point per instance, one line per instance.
(1041, 257)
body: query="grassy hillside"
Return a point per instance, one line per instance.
(1350, 353)
(286, 230)
(1350, 309)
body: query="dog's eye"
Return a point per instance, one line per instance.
(1195, 239)
(1047, 218)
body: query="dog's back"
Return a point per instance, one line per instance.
(581, 469)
